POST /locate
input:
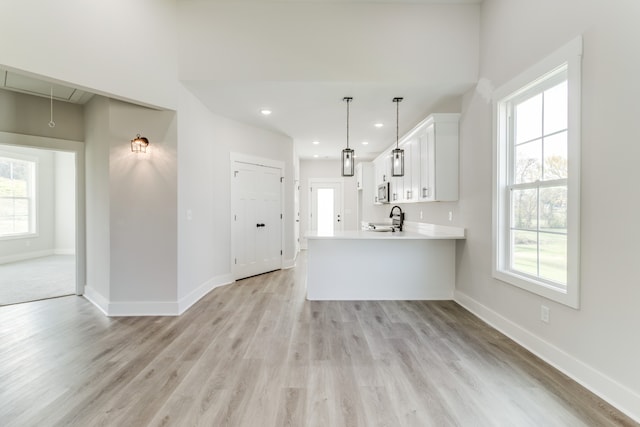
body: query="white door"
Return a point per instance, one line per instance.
(257, 219)
(326, 207)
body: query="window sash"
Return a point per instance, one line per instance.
(13, 216)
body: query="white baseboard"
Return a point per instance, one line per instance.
(618, 395)
(96, 299)
(288, 263)
(197, 294)
(154, 308)
(25, 256)
(63, 251)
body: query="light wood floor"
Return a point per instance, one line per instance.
(256, 353)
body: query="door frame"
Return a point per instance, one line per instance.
(77, 147)
(316, 181)
(257, 161)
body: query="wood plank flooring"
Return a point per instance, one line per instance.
(256, 353)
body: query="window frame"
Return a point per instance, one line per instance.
(537, 78)
(33, 196)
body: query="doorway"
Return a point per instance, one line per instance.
(326, 213)
(256, 193)
(37, 224)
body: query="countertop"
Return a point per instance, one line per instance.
(415, 231)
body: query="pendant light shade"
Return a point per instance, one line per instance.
(397, 160)
(347, 154)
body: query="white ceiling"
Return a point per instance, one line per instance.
(310, 111)
(300, 61)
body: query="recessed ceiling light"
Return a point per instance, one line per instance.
(365, 143)
(315, 155)
(316, 142)
(265, 112)
(378, 125)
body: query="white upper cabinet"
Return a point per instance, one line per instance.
(359, 176)
(439, 158)
(430, 162)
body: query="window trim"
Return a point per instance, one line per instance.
(33, 206)
(569, 56)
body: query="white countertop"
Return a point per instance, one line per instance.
(415, 231)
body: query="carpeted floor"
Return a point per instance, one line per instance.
(39, 278)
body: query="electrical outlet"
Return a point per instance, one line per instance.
(189, 215)
(420, 214)
(544, 313)
(450, 216)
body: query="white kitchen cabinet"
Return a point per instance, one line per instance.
(382, 172)
(430, 162)
(438, 142)
(359, 176)
(411, 179)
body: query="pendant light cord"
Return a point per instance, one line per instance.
(52, 124)
(397, 101)
(348, 100)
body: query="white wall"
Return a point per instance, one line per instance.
(30, 115)
(206, 141)
(98, 242)
(123, 48)
(131, 215)
(597, 343)
(322, 41)
(65, 202)
(326, 169)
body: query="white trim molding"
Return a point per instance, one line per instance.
(155, 308)
(618, 395)
(564, 63)
(197, 294)
(25, 256)
(95, 298)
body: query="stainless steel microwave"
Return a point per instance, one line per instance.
(383, 193)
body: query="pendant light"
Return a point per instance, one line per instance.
(397, 159)
(347, 153)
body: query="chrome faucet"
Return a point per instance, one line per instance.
(396, 219)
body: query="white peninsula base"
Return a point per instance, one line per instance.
(366, 265)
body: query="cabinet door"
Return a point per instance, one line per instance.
(415, 169)
(427, 163)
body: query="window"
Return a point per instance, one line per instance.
(536, 212)
(17, 197)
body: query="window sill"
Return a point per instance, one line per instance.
(562, 296)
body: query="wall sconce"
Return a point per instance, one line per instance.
(139, 144)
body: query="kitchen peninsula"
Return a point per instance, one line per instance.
(417, 264)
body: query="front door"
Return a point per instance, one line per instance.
(257, 219)
(326, 207)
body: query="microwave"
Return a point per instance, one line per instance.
(383, 193)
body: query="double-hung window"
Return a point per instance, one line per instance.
(536, 191)
(17, 196)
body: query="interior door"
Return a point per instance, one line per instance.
(257, 219)
(326, 207)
